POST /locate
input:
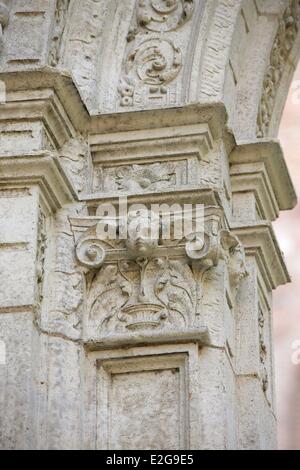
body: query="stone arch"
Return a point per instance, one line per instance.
(221, 60)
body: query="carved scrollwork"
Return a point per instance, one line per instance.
(90, 253)
(163, 15)
(145, 176)
(154, 63)
(142, 294)
(144, 282)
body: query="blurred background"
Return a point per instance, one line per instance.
(286, 299)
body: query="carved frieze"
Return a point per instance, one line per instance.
(282, 47)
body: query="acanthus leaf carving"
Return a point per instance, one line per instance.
(144, 283)
(41, 255)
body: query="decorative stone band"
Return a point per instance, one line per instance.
(284, 42)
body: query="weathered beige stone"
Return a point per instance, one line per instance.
(161, 102)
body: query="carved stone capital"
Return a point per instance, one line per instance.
(141, 284)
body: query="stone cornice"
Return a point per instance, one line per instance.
(268, 152)
(39, 86)
(42, 169)
(21, 84)
(179, 140)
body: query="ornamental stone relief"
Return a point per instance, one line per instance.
(142, 177)
(283, 45)
(144, 283)
(61, 11)
(152, 64)
(163, 15)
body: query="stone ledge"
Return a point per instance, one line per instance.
(42, 169)
(199, 335)
(268, 152)
(260, 241)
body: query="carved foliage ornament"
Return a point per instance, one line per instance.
(145, 283)
(154, 63)
(163, 15)
(41, 254)
(283, 45)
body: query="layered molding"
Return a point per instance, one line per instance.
(41, 169)
(155, 159)
(260, 167)
(46, 95)
(259, 240)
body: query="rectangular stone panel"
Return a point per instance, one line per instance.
(18, 222)
(142, 403)
(28, 27)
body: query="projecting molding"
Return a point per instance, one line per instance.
(42, 169)
(269, 153)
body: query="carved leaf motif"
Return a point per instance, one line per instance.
(176, 289)
(144, 176)
(108, 293)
